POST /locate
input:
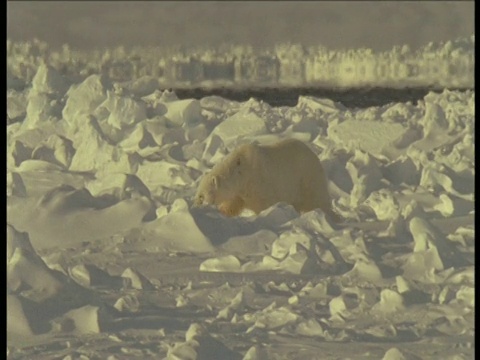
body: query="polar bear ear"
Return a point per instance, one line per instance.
(215, 181)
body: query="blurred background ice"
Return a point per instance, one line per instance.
(211, 44)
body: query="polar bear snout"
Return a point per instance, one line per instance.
(202, 200)
(198, 201)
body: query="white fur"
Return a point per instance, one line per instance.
(257, 176)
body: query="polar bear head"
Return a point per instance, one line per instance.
(208, 190)
(222, 183)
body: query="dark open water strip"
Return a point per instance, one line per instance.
(351, 98)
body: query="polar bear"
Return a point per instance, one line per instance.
(256, 176)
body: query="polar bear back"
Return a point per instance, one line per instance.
(290, 160)
(287, 171)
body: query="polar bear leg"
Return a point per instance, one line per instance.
(325, 204)
(332, 215)
(233, 207)
(310, 197)
(320, 198)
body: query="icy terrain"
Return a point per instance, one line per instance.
(107, 259)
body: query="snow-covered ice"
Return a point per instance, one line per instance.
(103, 242)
